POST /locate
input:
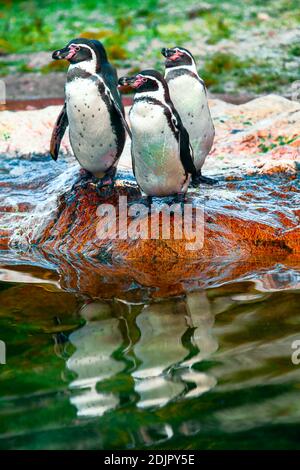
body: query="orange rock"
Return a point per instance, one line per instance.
(250, 223)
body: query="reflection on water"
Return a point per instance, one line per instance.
(164, 359)
(93, 359)
(158, 350)
(211, 369)
(279, 278)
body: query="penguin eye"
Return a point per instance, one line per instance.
(77, 48)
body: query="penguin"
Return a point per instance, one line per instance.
(93, 111)
(161, 153)
(189, 95)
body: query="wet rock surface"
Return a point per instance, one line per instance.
(250, 224)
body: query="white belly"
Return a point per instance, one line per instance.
(91, 135)
(190, 100)
(155, 151)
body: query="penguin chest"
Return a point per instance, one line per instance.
(190, 100)
(155, 150)
(92, 136)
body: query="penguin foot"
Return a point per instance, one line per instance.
(181, 199)
(105, 190)
(169, 200)
(109, 177)
(105, 186)
(200, 179)
(80, 184)
(149, 201)
(85, 178)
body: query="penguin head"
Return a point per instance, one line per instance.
(145, 81)
(177, 56)
(82, 50)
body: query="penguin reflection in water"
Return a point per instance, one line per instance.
(189, 95)
(93, 110)
(162, 158)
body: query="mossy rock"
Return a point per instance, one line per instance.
(55, 66)
(116, 52)
(101, 34)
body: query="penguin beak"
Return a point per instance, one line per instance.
(65, 53)
(60, 54)
(138, 81)
(132, 82)
(126, 81)
(171, 54)
(166, 52)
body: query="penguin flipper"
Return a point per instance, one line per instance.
(185, 149)
(132, 160)
(186, 152)
(58, 132)
(121, 114)
(111, 79)
(125, 124)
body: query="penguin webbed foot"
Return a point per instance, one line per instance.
(149, 201)
(180, 198)
(105, 190)
(83, 180)
(105, 186)
(200, 179)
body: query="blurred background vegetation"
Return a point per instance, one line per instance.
(241, 46)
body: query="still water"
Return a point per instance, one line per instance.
(211, 369)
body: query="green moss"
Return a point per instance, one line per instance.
(220, 67)
(220, 61)
(294, 50)
(116, 52)
(250, 78)
(267, 144)
(100, 35)
(5, 46)
(6, 136)
(219, 28)
(55, 66)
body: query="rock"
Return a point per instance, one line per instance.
(263, 16)
(264, 126)
(28, 132)
(284, 166)
(199, 10)
(34, 85)
(33, 59)
(247, 227)
(268, 128)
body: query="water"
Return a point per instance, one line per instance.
(107, 349)
(210, 369)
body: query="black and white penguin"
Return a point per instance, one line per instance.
(189, 95)
(161, 153)
(93, 110)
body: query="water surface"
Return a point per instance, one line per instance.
(210, 369)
